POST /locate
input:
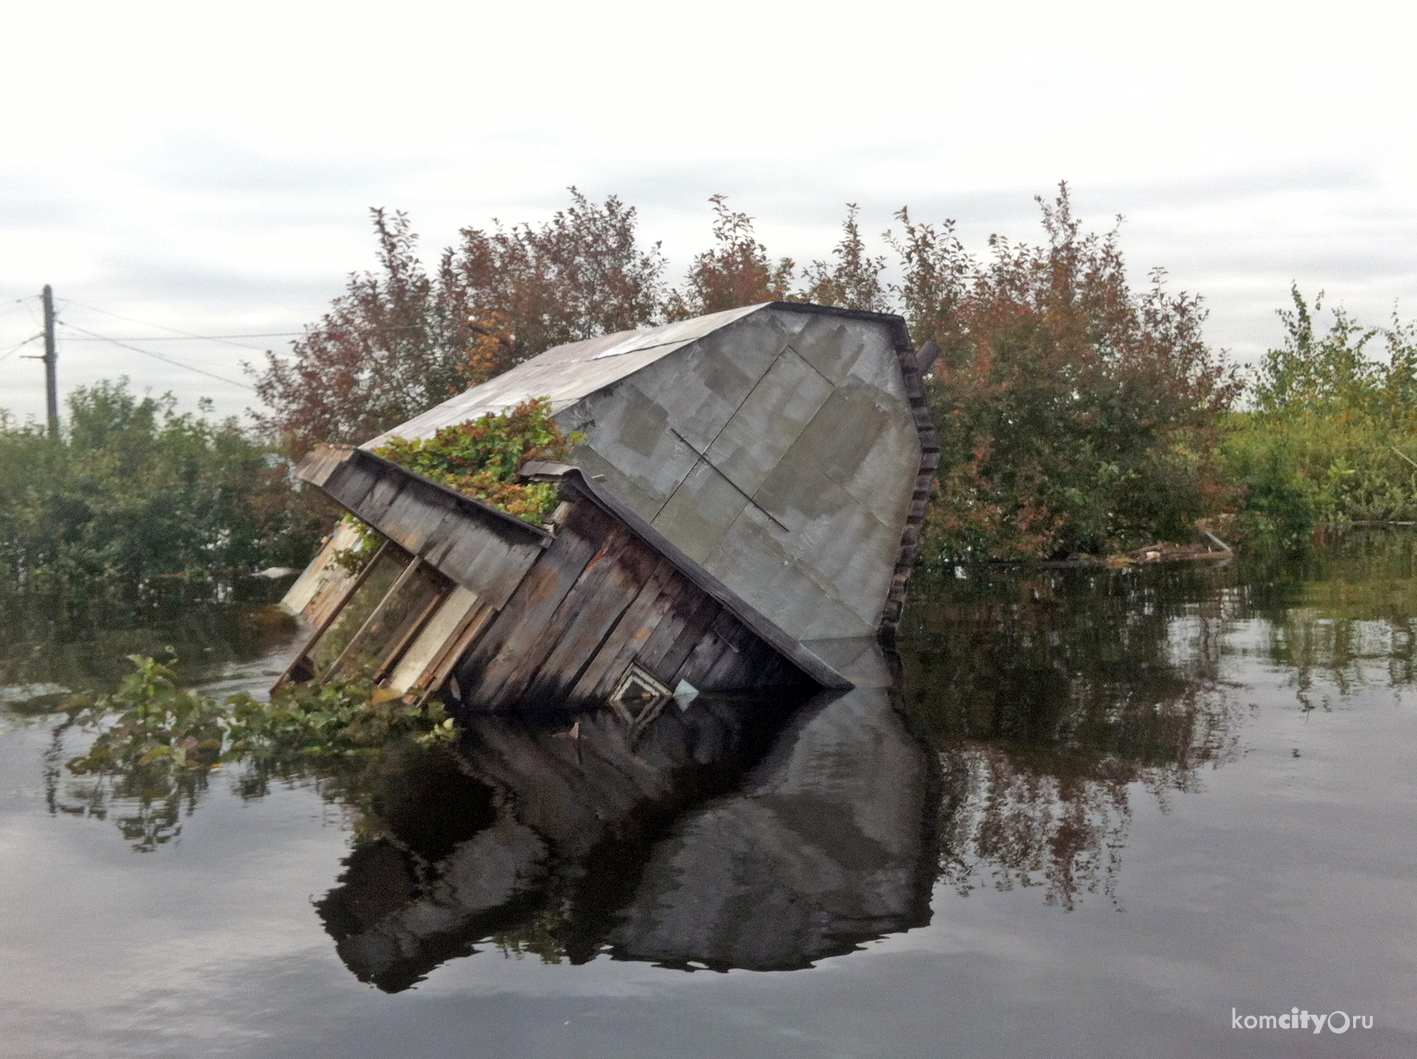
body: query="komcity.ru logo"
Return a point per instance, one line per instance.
(1294, 1019)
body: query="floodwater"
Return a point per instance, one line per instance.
(1099, 813)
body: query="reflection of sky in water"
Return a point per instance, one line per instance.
(1215, 844)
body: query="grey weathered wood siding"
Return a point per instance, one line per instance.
(485, 550)
(599, 599)
(573, 609)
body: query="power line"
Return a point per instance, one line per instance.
(205, 338)
(161, 327)
(177, 334)
(157, 356)
(18, 345)
(15, 306)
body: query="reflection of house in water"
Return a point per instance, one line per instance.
(823, 846)
(748, 495)
(726, 833)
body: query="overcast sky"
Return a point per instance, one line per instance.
(209, 168)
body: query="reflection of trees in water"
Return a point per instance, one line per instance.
(1022, 828)
(149, 803)
(1035, 709)
(1047, 696)
(147, 806)
(83, 645)
(1344, 619)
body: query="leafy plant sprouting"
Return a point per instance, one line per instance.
(151, 724)
(481, 457)
(149, 720)
(356, 558)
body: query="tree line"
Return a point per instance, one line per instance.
(1078, 413)
(138, 502)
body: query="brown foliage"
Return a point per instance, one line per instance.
(580, 274)
(736, 272)
(492, 347)
(389, 347)
(1075, 414)
(400, 341)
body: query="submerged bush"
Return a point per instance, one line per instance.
(1332, 436)
(482, 457)
(134, 491)
(151, 723)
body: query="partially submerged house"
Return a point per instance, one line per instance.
(743, 513)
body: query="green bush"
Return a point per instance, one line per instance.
(1333, 434)
(151, 723)
(1075, 414)
(481, 458)
(135, 491)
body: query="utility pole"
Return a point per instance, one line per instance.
(51, 387)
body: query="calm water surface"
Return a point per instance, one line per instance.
(1098, 814)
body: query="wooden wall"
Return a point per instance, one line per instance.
(598, 599)
(560, 617)
(473, 544)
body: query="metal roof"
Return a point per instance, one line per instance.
(564, 373)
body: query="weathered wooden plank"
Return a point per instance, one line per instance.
(766, 669)
(350, 482)
(630, 634)
(592, 611)
(500, 650)
(363, 482)
(717, 657)
(737, 669)
(701, 661)
(436, 675)
(414, 515)
(683, 600)
(576, 616)
(575, 481)
(432, 639)
(381, 497)
(694, 631)
(479, 559)
(318, 466)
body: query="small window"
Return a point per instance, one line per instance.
(638, 694)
